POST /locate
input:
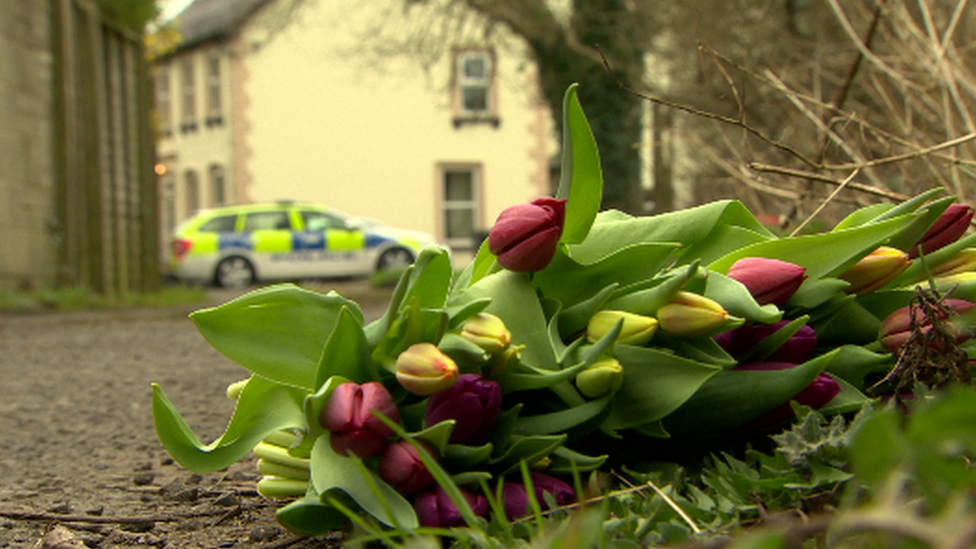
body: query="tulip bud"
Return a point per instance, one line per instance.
(347, 414)
(951, 225)
(963, 261)
(688, 315)
(435, 508)
(818, 394)
(423, 369)
(896, 327)
(602, 377)
(875, 270)
(503, 362)
(473, 403)
(488, 332)
(636, 329)
(525, 236)
(515, 498)
(768, 280)
(401, 467)
(795, 350)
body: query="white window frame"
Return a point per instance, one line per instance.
(214, 89)
(474, 204)
(164, 100)
(463, 82)
(188, 95)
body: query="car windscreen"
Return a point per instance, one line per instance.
(222, 224)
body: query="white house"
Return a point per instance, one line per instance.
(262, 101)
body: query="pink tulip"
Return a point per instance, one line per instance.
(347, 414)
(525, 236)
(768, 280)
(896, 327)
(401, 467)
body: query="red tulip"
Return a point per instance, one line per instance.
(347, 414)
(951, 225)
(401, 467)
(525, 236)
(896, 327)
(768, 280)
(818, 394)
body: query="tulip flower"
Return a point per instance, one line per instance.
(423, 369)
(768, 280)
(951, 225)
(896, 327)
(488, 332)
(515, 498)
(963, 261)
(473, 403)
(796, 349)
(435, 508)
(875, 270)
(602, 377)
(401, 467)
(688, 315)
(636, 329)
(348, 415)
(525, 236)
(818, 394)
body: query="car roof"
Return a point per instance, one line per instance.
(264, 206)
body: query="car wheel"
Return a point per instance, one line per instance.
(234, 272)
(394, 259)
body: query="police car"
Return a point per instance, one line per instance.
(236, 246)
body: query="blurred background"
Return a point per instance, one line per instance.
(123, 118)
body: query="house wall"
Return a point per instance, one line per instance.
(324, 126)
(26, 182)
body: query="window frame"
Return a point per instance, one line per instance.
(164, 100)
(215, 116)
(191, 193)
(474, 204)
(188, 94)
(218, 185)
(462, 82)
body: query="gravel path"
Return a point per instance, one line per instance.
(77, 438)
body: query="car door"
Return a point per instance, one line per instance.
(271, 235)
(340, 248)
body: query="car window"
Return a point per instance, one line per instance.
(320, 221)
(222, 224)
(267, 221)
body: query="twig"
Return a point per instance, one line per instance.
(905, 156)
(884, 193)
(826, 201)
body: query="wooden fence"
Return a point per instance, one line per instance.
(106, 199)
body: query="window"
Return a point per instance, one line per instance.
(189, 122)
(222, 224)
(192, 195)
(214, 115)
(164, 105)
(473, 88)
(218, 192)
(319, 221)
(267, 221)
(169, 203)
(460, 206)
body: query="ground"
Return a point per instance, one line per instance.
(77, 443)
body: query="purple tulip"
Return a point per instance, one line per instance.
(435, 508)
(525, 236)
(796, 349)
(353, 427)
(818, 394)
(515, 498)
(768, 280)
(473, 402)
(951, 225)
(401, 467)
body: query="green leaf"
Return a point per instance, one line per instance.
(850, 399)
(647, 297)
(430, 279)
(330, 471)
(848, 323)
(916, 271)
(345, 353)
(733, 397)
(814, 293)
(774, 341)
(573, 320)
(277, 332)
(308, 516)
(581, 180)
(263, 407)
(655, 384)
(528, 449)
(514, 301)
(527, 378)
(562, 420)
(460, 457)
(853, 363)
(736, 299)
(878, 448)
(823, 254)
(564, 461)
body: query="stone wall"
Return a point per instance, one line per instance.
(26, 181)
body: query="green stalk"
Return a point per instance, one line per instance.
(279, 455)
(279, 488)
(272, 469)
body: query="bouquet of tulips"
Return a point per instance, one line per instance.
(573, 335)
